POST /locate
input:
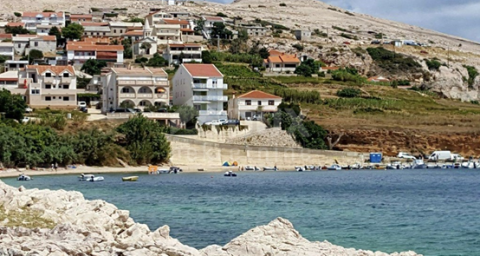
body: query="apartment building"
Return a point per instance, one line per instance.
(118, 29)
(34, 19)
(81, 51)
(49, 86)
(182, 53)
(134, 87)
(167, 33)
(200, 86)
(77, 18)
(253, 105)
(156, 17)
(7, 50)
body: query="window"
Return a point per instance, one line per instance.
(65, 86)
(19, 46)
(248, 102)
(271, 102)
(125, 90)
(66, 75)
(114, 31)
(104, 33)
(259, 102)
(35, 91)
(66, 98)
(48, 86)
(59, 97)
(35, 44)
(48, 74)
(53, 97)
(48, 98)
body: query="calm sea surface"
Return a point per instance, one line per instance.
(434, 212)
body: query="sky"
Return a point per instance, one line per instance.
(455, 17)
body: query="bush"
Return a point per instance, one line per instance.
(283, 4)
(433, 64)
(292, 95)
(17, 14)
(348, 75)
(393, 62)
(349, 93)
(299, 47)
(221, 14)
(178, 131)
(348, 36)
(236, 70)
(472, 74)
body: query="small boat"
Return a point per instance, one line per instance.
(251, 168)
(85, 177)
(419, 164)
(96, 179)
(335, 167)
(23, 177)
(174, 170)
(300, 168)
(230, 174)
(469, 165)
(163, 171)
(268, 168)
(130, 178)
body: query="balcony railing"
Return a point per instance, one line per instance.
(209, 86)
(209, 98)
(127, 95)
(48, 80)
(66, 80)
(145, 95)
(212, 113)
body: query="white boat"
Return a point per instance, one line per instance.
(469, 165)
(90, 177)
(335, 167)
(268, 168)
(230, 174)
(299, 169)
(23, 177)
(95, 179)
(251, 168)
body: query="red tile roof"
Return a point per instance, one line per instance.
(16, 24)
(6, 36)
(214, 18)
(81, 16)
(187, 30)
(173, 21)
(86, 46)
(256, 94)
(44, 14)
(203, 70)
(54, 69)
(134, 33)
(289, 59)
(106, 55)
(280, 57)
(185, 45)
(48, 38)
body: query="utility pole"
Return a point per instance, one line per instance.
(218, 43)
(448, 55)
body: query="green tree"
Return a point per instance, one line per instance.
(199, 26)
(219, 30)
(145, 140)
(12, 106)
(3, 59)
(264, 53)
(17, 30)
(307, 68)
(73, 31)
(54, 31)
(157, 61)
(146, 46)
(35, 54)
(136, 19)
(207, 57)
(349, 92)
(127, 48)
(93, 66)
(188, 115)
(221, 14)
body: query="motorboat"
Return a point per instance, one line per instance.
(334, 167)
(469, 165)
(163, 171)
(300, 169)
(419, 164)
(267, 168)
(23, 177)
(394, 166)
(230, 174)
(96, 179)
(175, 170)
(251, 168)
(85, 177)
(130, 178)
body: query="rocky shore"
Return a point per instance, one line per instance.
(54, 223)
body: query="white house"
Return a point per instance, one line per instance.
(135, 87)
(208, 25)
(253, 105)
(7, 50)
(281, 62)
(182, 53)
(146, 38)
(49, 86)
(42, 43)
(200, 86)
(34, 19)
(81, 51)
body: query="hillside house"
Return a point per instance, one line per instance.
(208, 25)
(303, 34)
(253, 105)
(182, 53)
(78, 18)
(81, 51)
(281, 62)
(7, 50)
(34, 19)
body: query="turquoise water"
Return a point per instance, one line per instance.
(433, 212)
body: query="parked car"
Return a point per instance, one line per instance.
(82, 104)
(223, 121)
(28, 110)
(406, 156)
(213, 122)
(26, 119)
(233, 122)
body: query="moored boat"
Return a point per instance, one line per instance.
(334, 167)
(230, 174)
(23, 177)
(96, 179)
(130, 178)
(269, 168)
(251, 168)
(300, 169)
(85, 177)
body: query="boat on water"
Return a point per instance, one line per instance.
(175, 170)
(269, 168)
(96, 179)
(300, 168)
(230, 174)
(23, 177)
(334, 167)
(468, 165)
(130, 178)
(89, 177)
(251, 168)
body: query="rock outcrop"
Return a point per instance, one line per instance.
(98, 228)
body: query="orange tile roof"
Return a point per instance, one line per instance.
(275, 53)
(44, 14)
(173, 21)
(256, 94)
(185, 45)
(187, 30)
(78, 16)
(289, 59)
(106, 55)
(48, 38)
(26, 35)
(6, 36)
(274, 59)
(203, 70)
(54, 69)
(16, 24)
(134, 33)
(214, 18)
(90, 46)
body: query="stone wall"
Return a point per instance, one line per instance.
(187, 151)
(221, 133)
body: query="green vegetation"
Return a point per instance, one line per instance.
(349, 36)
(17, 14)
(93, 66)
(95, 9)
(221, 14)
(393, 62)
(319, 33)
(127, 48)
(48, 10)
(433, 64)
(283, 4)
(25, 217)
(308, 68)
(157, 61)
(341, 29)
(274, 25)
(12, 106)
(73, 31)
(379, 35)
(145, 141)
(188, 115)
(54, 31)
(348, 75)
(120, 9)
(349, 92)
(17, 30)
(292, 95)
(349, 13)
(299, 47)
(110, 15)
(236, 70)
(254, 60)
(219, 30)
(136, 19)
(472, 74)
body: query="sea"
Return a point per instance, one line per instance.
(432, 212)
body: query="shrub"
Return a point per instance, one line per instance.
(283, 4)
(95, 9)
(393, 62)
(433, 64)
(340, 29)
(299, 47)
(292, 95)
(221, 14)
(349, 93)
(472, 74)
(349, 13)
(352, 37)
(17, 14)
(319, 33)
(348, 75)
(178, 131)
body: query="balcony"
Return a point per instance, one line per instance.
(161, 96)
(48, 80)
(264, 108)
(126, 96)
(145, 95)
(58, 92)
(209, 98)
(212, 113)
(209, 86)
(66, 80)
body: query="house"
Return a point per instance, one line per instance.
(43, 30)
(117, 29)
(49, 86)
(180, 15)
(15, 65)
(21, 43)
(200, 86)
(81, 51)
(134, 87)
(182, 53)
(155, 17)
(6, 37)
(186, 28)
(303, 34)
(147, 40)
(7, 50)
(208, 25)
(33, 19)
(281, 62)
(95, 29)
(45, 44)
(77, 18)
(167, 33)
(16, 24)
(9, 79)
(254, 31)
(253, 105)
(378, 79)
